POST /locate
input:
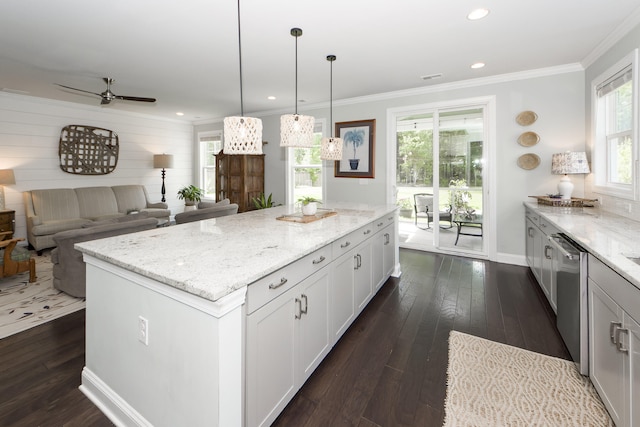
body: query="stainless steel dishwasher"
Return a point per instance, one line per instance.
(570, 272)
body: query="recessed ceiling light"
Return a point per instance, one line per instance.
(477, 65)
(271, 98)
(477, 14)
(179, 113)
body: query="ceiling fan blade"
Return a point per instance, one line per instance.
(79, 90)
(135, 98)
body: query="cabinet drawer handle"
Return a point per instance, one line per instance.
(546, 251)
(282, 282)
(386, 238)
(389, 218)
(306, 305)
(619, 341)
(299, 313)
(319, 260)
(355, 259)
(344, 245)
(380, 224)
(612, 327)
(366, 232)
(530, 231)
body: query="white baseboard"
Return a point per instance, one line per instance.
(109, 402)
(512, 259)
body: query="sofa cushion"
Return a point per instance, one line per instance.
(52, 227)
(96, 202)
(55, 204)
(117, 219)
(205, 205)
(130, 197)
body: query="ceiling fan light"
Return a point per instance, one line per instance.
(331, 149)
(296, 130)
(242, 135)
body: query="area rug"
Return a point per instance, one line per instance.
(24, 305)
(493, 384)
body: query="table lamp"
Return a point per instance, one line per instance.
(162, 161)
(565, 164)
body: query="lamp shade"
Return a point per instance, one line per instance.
(7, 177)
(569, 163)
(162, 161)
(331, 149)
(242, 135)
(296, 130)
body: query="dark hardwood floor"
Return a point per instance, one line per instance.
(389, 369)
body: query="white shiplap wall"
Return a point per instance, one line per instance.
(30, 133)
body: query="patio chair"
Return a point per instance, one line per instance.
(423, 206)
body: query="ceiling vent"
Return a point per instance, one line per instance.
(431, 76)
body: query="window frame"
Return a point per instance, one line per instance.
(601, 158)
(319, 127)
(204, 137)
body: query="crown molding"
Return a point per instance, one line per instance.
(462, 84)
(614, 37)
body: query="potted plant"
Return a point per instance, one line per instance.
(459, 197)
(309, 205)
(355, 137)
(406, 208)
(262, 202)
(191, 194)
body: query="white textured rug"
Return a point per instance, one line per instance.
(493, 384)
(24, 305)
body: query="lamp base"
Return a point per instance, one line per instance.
(565, 188)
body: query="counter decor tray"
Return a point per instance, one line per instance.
(575, 202)
(298, 217)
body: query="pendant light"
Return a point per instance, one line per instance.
(296, 130)
(331, 148)
(242, 135)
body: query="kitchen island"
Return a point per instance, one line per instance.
(185, 324)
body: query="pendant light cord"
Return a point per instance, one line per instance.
(296, 75)
(240, 60)
(331, 95)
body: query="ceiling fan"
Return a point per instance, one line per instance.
(108, 96)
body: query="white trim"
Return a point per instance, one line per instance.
(216, 309)
(599, 155)
(109, 402)
(614, 37)
(488, 103)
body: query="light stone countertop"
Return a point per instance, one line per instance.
(607, 236)
(214, 257)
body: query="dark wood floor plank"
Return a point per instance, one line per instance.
(389, 368)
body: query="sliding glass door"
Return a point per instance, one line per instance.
(440, 176)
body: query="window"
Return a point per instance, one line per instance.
(305, 177)
(210, 145)
(615, 138)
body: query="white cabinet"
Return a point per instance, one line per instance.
(286, 340)
(540, 255)
(614, 343)
(383, 256)
(363, 287)
(343, 310)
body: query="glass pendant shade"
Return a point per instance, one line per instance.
(331, 149)
(242, 135)
(296, 130)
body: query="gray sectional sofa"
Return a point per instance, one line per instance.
(50, 211)
(208, 210)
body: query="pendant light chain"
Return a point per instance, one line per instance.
(240, 60)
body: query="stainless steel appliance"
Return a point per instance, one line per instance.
(570, 272)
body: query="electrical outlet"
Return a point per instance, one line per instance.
(143, 330)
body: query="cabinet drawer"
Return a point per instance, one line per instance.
(534, 217)
(381, 223)
(617, 287)
(546, 227)
(269, 287)
(353, 239)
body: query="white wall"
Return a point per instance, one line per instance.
(556, 95)
(30, 133)
(623, 47)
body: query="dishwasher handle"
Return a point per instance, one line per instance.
(554, 239)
